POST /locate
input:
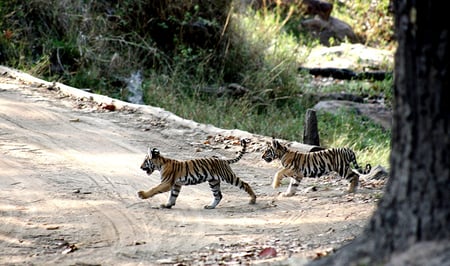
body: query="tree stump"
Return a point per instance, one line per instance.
(310, 130)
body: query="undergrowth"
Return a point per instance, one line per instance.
(267, 58)
(183, 47)
(282, 118)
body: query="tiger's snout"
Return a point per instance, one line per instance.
(267, 159)
(147, 170)
(146, 167)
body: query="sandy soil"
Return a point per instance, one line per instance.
(69, 176)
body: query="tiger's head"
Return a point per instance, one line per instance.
(274, 150)
(150, 163)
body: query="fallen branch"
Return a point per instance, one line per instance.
(347, 74)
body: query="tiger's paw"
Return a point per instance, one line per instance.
(353, 186)
(352, 190)
(166, 206)
(209, 207)
(252, 201)
(141, 194)
(288, 194)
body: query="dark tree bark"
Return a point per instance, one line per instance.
(415, 209)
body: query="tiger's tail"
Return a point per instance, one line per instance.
(244, 142)
(367, 169)
(361, 171)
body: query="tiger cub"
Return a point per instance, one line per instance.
(175, 173)
(297, 165)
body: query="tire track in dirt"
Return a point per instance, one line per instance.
(36, 124)
(118, 227)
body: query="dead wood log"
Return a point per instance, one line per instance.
(347, 74)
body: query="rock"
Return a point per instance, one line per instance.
(356, 57)
(376, 112)
(316, 7)
(331, 28)
(377, 173)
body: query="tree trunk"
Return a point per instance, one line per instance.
(415, 208)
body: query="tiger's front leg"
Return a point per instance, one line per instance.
(292, 189)
(174, 192)
(285, 172)
(161, 188)
(354, 181)
(215, 188)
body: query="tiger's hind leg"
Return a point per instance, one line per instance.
(247, 188)
(215, 188)
(236, 181)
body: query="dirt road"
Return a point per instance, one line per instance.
(69, 176)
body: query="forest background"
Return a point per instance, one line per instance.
(173, 54)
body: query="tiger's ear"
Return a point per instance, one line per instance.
(155, 153)
(275, 143)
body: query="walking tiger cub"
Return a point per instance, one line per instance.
(175, 173)
(297, 165)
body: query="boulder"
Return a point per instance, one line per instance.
(376, 112)
(334, 28)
